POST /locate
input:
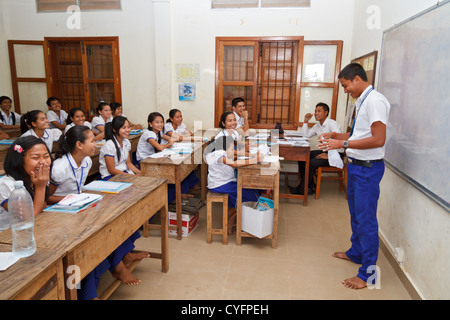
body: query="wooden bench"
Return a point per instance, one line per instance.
(216, 197)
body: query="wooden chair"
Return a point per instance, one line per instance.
(341, 176)
(210, 199)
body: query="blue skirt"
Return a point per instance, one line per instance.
(231, 189)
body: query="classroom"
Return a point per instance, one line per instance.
(170, 54)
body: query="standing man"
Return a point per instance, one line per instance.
(318, 158)
(365, 150)
(241, 114)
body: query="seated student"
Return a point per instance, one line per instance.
(8, 118)
(35, 123)
(68, 175)
(241, 114)
(76, 118)
(175, 128)
(221, 174)
(104, 116)
(318, 158)
(56, 116)
(28, 159)
(154, 140)
(115, 154)
(117, 110)
(228, 124)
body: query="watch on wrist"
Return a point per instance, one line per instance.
(345, 144)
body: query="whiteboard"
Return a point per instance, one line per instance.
(415, 78)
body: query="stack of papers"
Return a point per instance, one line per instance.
(163, 154)
(182, 147)
(136, 131)
(7, 141)
(107, 186)
(7, 259)
(74, 203)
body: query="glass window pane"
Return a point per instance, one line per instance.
(100, 92)
(310, 97)
(100, 61)
(319, 63)
(234, 4)
(285, 3)
(231, 92)
(29, 61)
(32, 96)
(238, 63)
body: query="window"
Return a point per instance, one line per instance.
(281, 79)
(62, 5)
(237, 4)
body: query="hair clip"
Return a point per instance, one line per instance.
(18, 148)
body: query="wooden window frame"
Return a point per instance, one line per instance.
(84, 5)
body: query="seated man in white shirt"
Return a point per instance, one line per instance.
(318, 158)
(241, 114)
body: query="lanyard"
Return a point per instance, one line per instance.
(354, 121)
(73, 171)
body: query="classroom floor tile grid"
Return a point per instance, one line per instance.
(301, 267)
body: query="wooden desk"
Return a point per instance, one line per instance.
(256, 176)
(90, 236)
(296, 154)
(41, 276)
(176, 169)
(134, 139)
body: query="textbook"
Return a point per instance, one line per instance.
(107, 186)
(74, 203)
(7, 141)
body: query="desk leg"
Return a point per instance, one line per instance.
(165, 238)
(178, 201)
(203, 179)
(239, 210)
(71, 291)
(276, 199)
(305, 192)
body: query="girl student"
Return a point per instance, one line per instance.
(76, 117)
(117, 110)
(228, 124)
(221, 174)
(104, 116)
(56, 116)
(115, 154)
(68, 175)
(175, 128)
(154, 140)
(28, 159)
(8, 118)
(35, 123)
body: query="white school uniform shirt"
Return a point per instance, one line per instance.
(67, 176)
(219, 173)
(224, 132)
(7, 120)
(99, 121)
(144, 148)
(375, 107)
(86, 123)
(50, 136)
(181, 129)
(6, 187)
(329, 125)
(109, 150)
(52, 116)
(240, 120)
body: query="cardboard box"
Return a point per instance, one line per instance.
(188, 223)
(257, 223)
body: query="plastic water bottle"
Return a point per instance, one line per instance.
(21, 218)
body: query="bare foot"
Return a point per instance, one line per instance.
(133, 256)
(354, 283)
(341, 255)
(186, 196)
(122, 273)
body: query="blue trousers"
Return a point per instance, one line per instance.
(363, 190)
(231, 189)
(190, 181)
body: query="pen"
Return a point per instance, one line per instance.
(112, 192)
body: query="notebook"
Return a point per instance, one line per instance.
(107, 186)
(75, 203)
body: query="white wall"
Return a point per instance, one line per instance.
(133, 25)
(407, 218)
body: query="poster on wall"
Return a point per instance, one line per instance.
(186, 91)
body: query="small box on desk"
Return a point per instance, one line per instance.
(188, 223)
(256, 222)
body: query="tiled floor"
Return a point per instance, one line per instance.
(301, 267)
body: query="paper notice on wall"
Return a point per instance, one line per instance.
(188, 73)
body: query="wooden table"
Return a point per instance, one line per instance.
(258, 176)
(176, 169)
(296, 153)
(41, 276)
(90, 236)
